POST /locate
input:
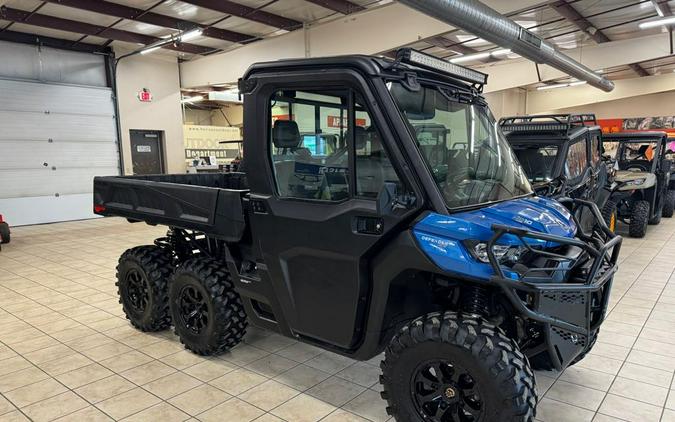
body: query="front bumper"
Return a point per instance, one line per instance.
(572, 311)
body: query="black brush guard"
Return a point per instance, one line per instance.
(570, 312)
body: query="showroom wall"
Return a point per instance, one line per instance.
(509, 102)
(158, 74)
(662, 104)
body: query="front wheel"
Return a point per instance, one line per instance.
(207, 313)
(639, 217)
(669, 204)
(610, 214)
(442, 367)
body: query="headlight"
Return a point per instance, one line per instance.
(503, 253)
(636, 182)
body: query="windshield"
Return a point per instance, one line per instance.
(538, 162)
(471, 161)
(637, 155)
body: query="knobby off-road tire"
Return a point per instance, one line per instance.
(639, 218)
(493, 374)
(656, 220)
(142, 281)
(669, 204)
(610, 214)
(208, 315)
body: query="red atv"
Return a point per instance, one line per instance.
(4, 231)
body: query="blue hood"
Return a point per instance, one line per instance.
(441, 236)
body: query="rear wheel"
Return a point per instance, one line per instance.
(656, 219)
(441, 367)
(610, 214)
(142, 278)
(639, 217)
(669, 204)
(208, 314)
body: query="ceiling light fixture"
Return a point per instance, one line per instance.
(150, 50)
(192, 99)
(563, 85)
(670, 20)
(470, 57)
(501, 52)
(167, 40)
(481, 55)
(191, 35)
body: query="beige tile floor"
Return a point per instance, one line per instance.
(67, 353)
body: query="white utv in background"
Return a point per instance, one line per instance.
(641, 189)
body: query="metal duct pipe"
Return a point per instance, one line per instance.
(480, 20)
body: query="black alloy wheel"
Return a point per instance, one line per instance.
(137, 291)
(208, 313)
(194, 311)
(142, 284)
(446, 392)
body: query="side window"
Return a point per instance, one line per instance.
(373, 167)
(309, 133)
(311, 146)
(577, 159)
(595, 149)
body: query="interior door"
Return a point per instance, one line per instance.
(146, 151)
(321, 225)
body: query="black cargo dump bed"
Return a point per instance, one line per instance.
(209, 203)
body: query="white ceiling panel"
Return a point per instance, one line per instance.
(188, 12)
(245, 26)
(37, 30)
(78, 15)
(300, 10)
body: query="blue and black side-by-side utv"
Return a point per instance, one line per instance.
(374, 236)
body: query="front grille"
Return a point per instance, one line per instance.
(572, 298)
(576, 339)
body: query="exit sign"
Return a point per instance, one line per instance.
(144, 95)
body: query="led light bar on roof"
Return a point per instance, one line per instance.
(530, 127)
(417, 58)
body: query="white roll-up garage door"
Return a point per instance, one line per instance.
(54, 138)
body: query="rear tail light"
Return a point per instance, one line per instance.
(99, 208)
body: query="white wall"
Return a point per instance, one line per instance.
(160, 75)
(509, 102)
(662, 104)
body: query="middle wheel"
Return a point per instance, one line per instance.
(207, 313)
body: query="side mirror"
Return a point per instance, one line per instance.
(386, 199)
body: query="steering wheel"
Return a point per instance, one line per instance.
(637, 168)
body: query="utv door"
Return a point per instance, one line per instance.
(324, 158)
(598, 192)
(580, 177)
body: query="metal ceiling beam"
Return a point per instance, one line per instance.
(565, 10)
(140, 15)
(341, 6)
(249, 13)
(663, 6)
(46, 21)
(23, 38)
